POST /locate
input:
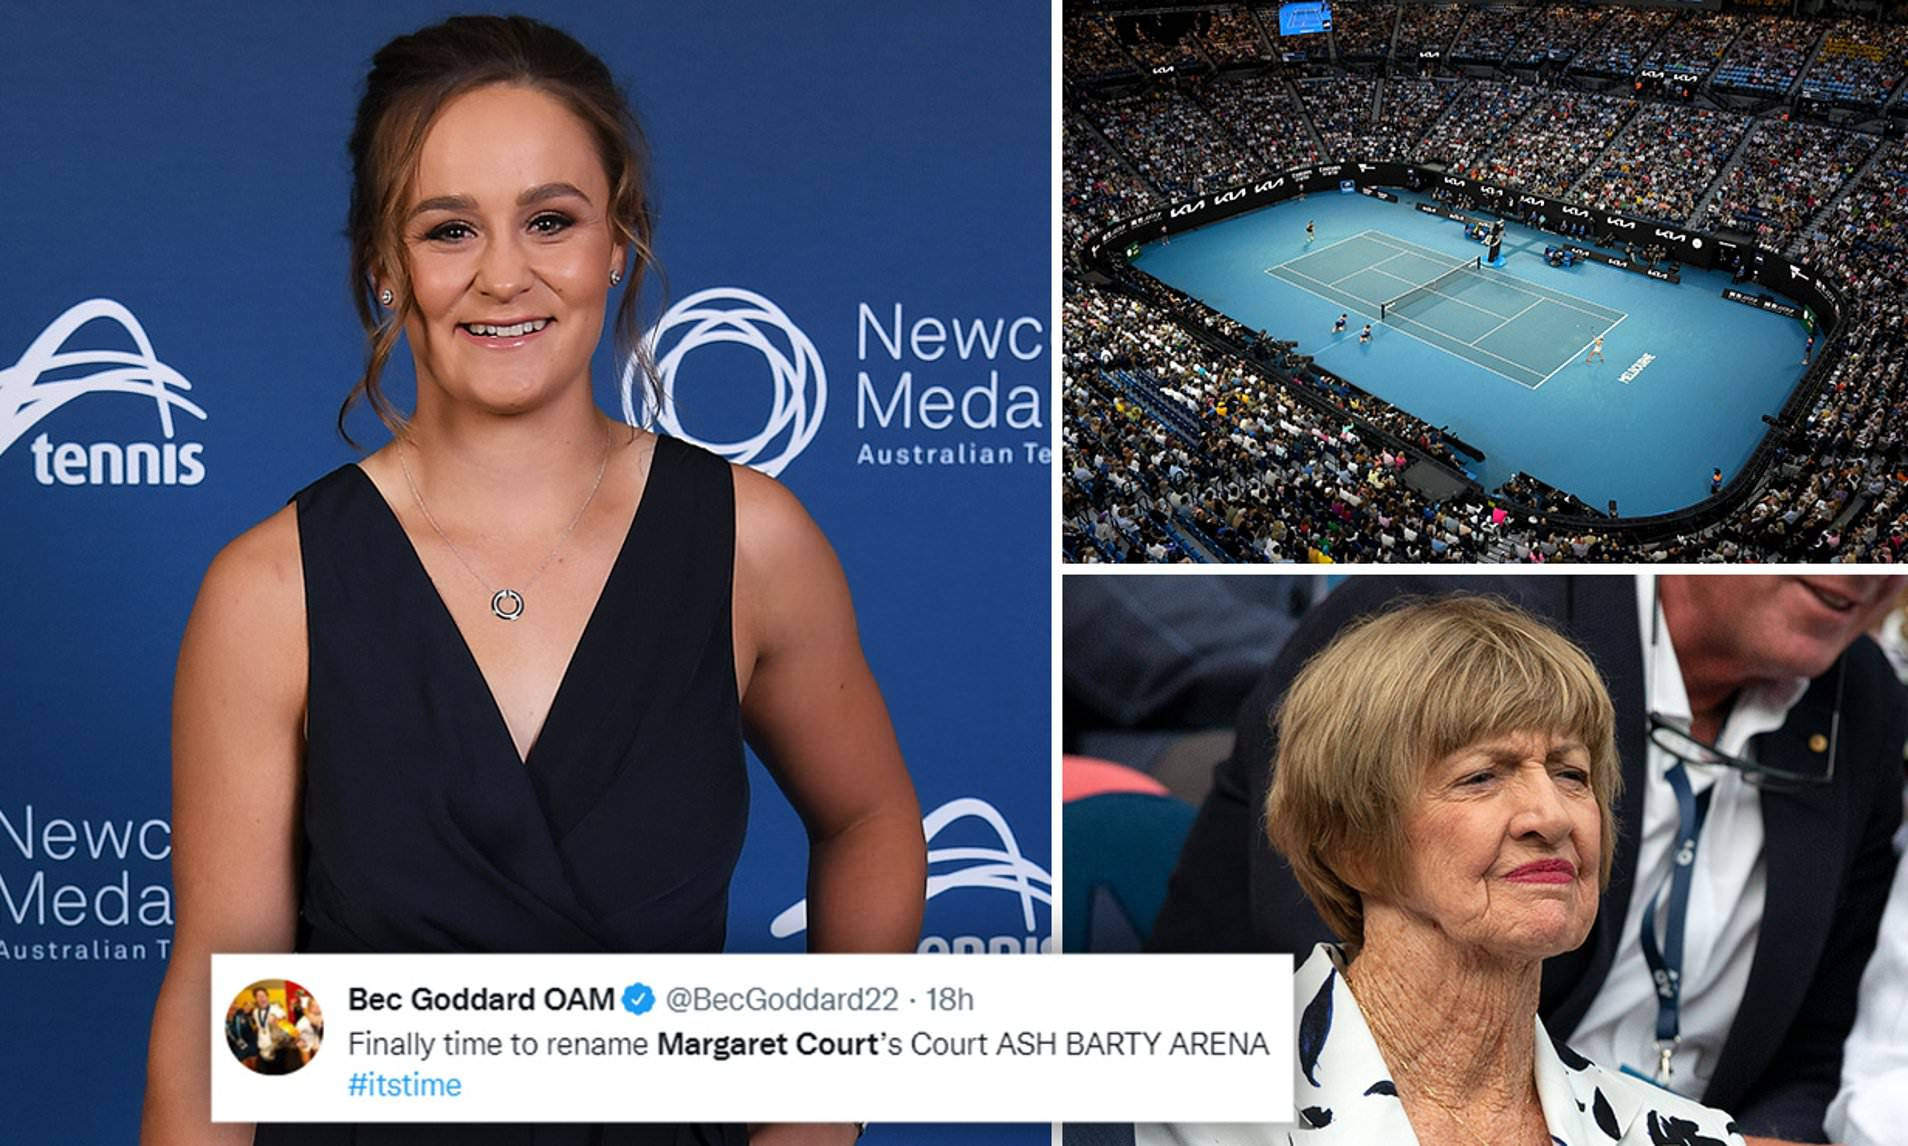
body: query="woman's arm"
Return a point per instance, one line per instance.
(815, 716)
(237, 742)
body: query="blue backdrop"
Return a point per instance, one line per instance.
(878, 173)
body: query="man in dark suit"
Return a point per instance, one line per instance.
(1821, 852)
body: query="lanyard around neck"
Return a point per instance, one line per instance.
(1665, 959)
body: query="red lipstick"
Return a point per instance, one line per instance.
(1544, 871)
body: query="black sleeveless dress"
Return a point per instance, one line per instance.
(426, 832)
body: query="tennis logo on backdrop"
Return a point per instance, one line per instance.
(934, 409)
(969, 863)
(50, 374)
(734, 315)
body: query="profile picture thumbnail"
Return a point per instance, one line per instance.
(274, 1026)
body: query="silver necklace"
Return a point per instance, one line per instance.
(507, 604)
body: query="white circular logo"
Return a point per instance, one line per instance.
(731, 314)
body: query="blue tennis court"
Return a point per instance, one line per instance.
(1519, 330)
(1497, 354)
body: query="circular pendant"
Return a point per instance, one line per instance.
(507, 604)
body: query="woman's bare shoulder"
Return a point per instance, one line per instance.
(765, 511)
(261, 565)
(789, 586)
(251, 605)
(774, 534)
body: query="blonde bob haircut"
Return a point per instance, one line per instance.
(1393, 694)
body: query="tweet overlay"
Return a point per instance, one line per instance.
(751, 1038)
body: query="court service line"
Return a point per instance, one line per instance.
(1374, 267)
(1287, 264)
(1284, 272)
(1506, 322)
(1512, 361)
(1584, 347)
(1320, 251)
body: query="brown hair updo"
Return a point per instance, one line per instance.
(411, 79)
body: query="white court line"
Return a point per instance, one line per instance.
(1505, 323)
(1580, 305)
(1585, 346)
(1374, 267)
(1445, 349)
(1308, 254)
(1281, 273)
(1394, 320)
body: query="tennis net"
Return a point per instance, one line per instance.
(1385, 308)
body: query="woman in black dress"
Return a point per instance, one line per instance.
(486, 690)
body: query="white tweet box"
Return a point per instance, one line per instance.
(753, 1038)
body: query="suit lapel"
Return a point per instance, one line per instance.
(1798, 824)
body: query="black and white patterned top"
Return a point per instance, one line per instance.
(1345, 1095)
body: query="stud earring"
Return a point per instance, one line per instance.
(616, 277)
(386, 297)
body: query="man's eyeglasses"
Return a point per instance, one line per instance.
(1676, 740)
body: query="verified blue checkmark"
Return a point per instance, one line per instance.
(638, 998)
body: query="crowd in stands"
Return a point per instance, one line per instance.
(1664, 160)
(1095, 180)
(1860, 63)
(1480, 115)
(1234, 37)
(1171, 452)
(1489, 33)
(1558, 141)
(1622, 40)
(1172, 143)
(1787, 173)
(1695, 45)
(1264, 118)
(1524, 34)
(1146, 45)
(1768, 55)
(1189, 438)
(1851, 452)
(1865, 237)
(1409, 107)
(1091, 48)
(1363, 30)
(1426, 28)
(1538, 494)
(1554, 32)
(1341, 112)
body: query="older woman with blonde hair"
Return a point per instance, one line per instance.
(1443, 793)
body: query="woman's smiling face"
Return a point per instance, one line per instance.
(508, 240)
